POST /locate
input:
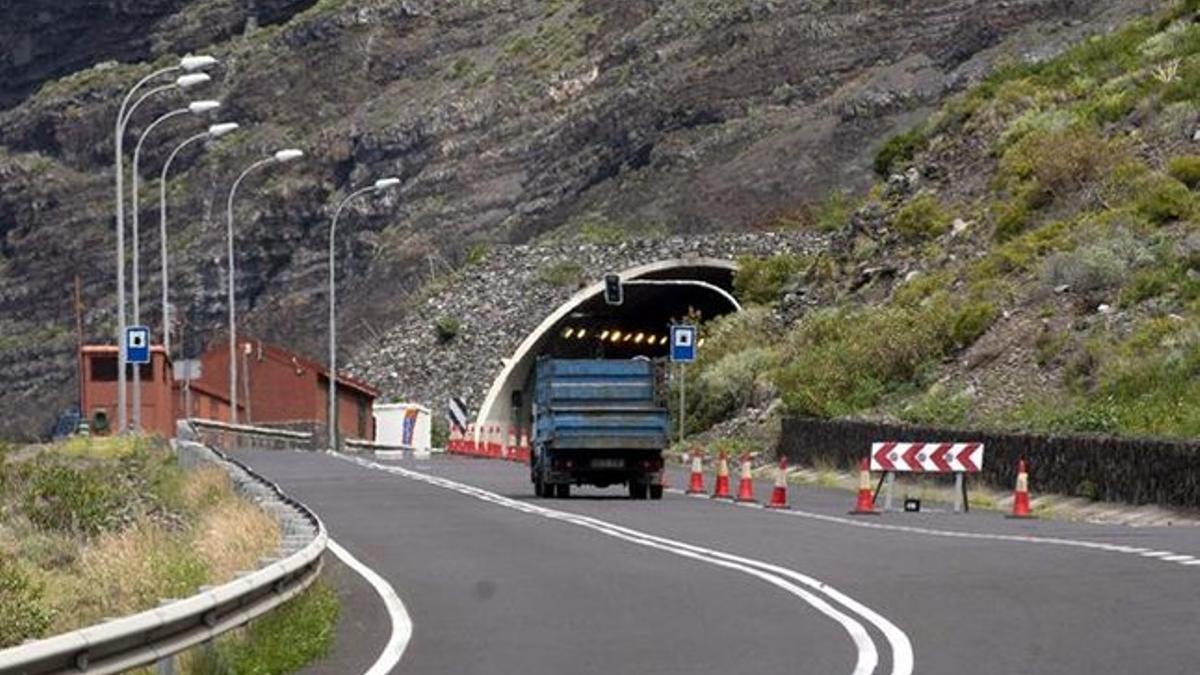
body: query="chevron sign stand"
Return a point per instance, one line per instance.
(937, 458)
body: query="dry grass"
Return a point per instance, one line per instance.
(124, 572)
(121, 572)
(233, 537)
(205, 488)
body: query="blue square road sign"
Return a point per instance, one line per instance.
(683, 344)
(137, 344)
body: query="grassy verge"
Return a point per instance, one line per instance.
(298, 633)
(102, 527)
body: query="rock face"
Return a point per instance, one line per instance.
(505, 120)
(44, 40)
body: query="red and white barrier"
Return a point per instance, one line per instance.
(927, 457)
(938, 458)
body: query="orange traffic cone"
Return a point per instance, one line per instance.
(779, 492)
(721, 490)
(1020, 508)
(746, 482)
(696, 485)
(866, 501)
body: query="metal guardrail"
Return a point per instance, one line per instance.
(223, 435)
(146, 637)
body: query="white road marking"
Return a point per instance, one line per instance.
(1166, 556)
(402, 625)
(868, 655)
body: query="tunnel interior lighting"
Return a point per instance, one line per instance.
(628, 337)
(639, 338)
(616, 336)
(568, 333)
(604, 335)
(582, 333)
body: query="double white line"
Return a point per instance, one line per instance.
(843, 609)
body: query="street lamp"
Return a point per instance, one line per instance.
(331, 421)
(279, 157)
(214, 131)
(194, 108)
(189, 64)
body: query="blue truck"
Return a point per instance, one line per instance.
(597, 422)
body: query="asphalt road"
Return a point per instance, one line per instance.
(497, 581)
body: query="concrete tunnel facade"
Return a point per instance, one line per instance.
(655, 294)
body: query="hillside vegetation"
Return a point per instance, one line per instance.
(1030, 258)
(97, 528)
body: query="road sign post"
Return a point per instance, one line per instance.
(683, 352)
(137, 352)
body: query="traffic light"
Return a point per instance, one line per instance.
(612, 289)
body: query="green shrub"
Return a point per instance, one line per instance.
(1101, 265)
(760, 280)
(561, 274)
(1012, 218)
(476, 254)
(1185, 169)
(1162, 200)
(728, 386)
(66, 499)
(21, 604)
(439, 432)
(1062, 162)
(970, 321)
(922, 218)
(899, 149)
(446, 328)
(1148, 283)
(462, 67)
(937, 407)
(839, 362)
(833, 213)
(285, 640)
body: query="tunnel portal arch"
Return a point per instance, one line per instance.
(654, 293)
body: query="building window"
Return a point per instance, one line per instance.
(104, 369)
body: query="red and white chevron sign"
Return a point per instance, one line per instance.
(927, 457)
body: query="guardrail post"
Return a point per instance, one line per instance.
(166, 665)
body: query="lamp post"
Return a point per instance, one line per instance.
(188, 64)
(194, 108)
(279, 157)
(214, 131)
(331, 420)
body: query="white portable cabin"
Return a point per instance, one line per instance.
(403, 425)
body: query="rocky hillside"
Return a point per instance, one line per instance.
(1030, 260)
(505, 119)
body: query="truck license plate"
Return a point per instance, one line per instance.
(606, 463)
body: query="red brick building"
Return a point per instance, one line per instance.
(100, 391)
(277, 387)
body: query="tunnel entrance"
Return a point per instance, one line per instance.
(640, 325)
(585, 327)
